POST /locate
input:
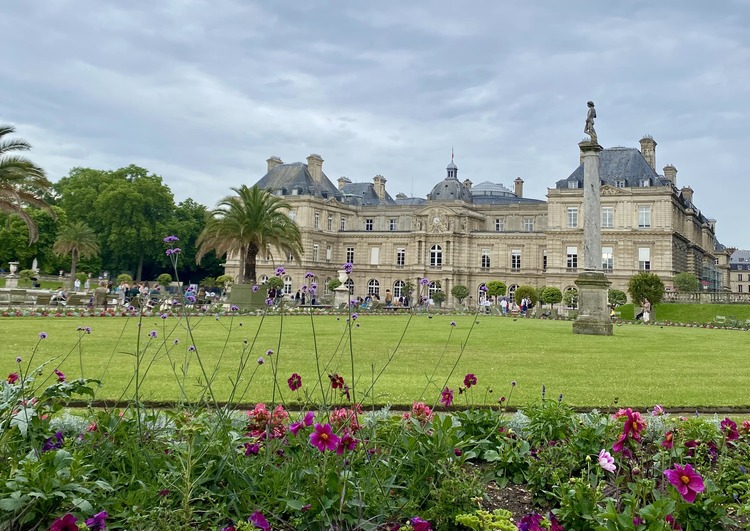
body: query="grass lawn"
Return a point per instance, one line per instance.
(639, 365)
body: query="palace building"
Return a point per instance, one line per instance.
(466, 234)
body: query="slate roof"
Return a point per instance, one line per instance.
(295, 176)
(363, 194)
(410, 201)
(617, 164)
(740, 256)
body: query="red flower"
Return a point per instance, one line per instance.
(12, 378)
(469, 380)
(668, 441)
(337, 382)
(294, 381)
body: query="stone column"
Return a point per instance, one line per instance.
(593, 315)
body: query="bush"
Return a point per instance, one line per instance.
(438, 297)
(224, 280)
(165, 279)
(685, 282)
(616, 297)
(82, 277)
(570, 298)
(124, 277)
(208, 283)
(646, 286)
(275, 282)
(529, 292)
(551, 295)
(460, 292)
(26, 274)
(496, 288)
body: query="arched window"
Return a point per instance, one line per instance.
(570, 297)
(263, 279)
(436, 256)
(350, 284)
(310, 281)
(398, 288)
(481, 293)
(512, 292)
(373, 287)
(432, 289)
(327, 290)
(287, 285)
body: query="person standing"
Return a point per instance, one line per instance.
(388, 298)
(646, 310)
(77, 285)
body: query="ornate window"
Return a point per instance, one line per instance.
(572, 258)
(342, 223)
(608, 217)
(350, 255)
(644, 217)
(572, 217)
(393, 224)
(400, 257)
(499, 225)
(515, 260)
(608, 259)
(330, 221)
(436, 256)
(316, 249)
(373, 287)
(317, 220)
(399, 288)
(644, 258)
(287, 285)
(485, 259)
(368, 224)
(528, 224)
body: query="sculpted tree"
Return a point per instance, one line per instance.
(22, 183)
(460, 292)
(77, 240)
(247, 223)
(646, 286)
(686, 282)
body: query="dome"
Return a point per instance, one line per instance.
(450, 190)
(488, 188)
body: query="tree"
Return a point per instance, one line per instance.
(78, 240)
(686, 282)
(529, 292)
(22, 183)
(247, 223)
(551, 295)
(646, 286)
(14, 239)
(333, 284)
(439, 298)
(496, 288)
(616, 298)
(570, 298)
(460, 292)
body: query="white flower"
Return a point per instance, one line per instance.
(606, 461)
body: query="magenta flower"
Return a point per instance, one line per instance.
(420, 525)
(60, 375)
(668, 441)
(65, 523)
(729, 428)
(309, 416)
(672, 522)
(470, 380)
(96, 522)
(346, 442)
(294, 428)
(446, 397)
(686, 480)
(323, 438)
(606, 461)
(294, 382)
(259, 521)
(252, 448)
(12, 378)
(658, 411)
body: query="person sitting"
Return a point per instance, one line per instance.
(200, 298)
(60, 297)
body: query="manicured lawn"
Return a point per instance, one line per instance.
(639, 365)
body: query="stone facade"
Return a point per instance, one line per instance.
(469, 235)
(739, 271)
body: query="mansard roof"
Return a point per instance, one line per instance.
(295, 179)
(619, 164)
(363, 194)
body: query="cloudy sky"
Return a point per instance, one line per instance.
(202, 92)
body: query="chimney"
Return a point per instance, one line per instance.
(648, 150)
(273, 161)
(315, 167)
(518, 188)
(687, 194)
(467, 184)
(343, 181)
(379, 185)
(712, 224)
(670, 173)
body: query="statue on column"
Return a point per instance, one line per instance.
(589, 127)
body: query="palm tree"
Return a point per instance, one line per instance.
(246, 223)
(22, 183)
(78, 240)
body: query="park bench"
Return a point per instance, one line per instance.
(43, 301)
(20, 297)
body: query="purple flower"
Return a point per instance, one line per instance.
(420, 525)
(313, 286)
(234, 308)
(729, 428)
(96, 522)
(164, 316)
(280, 271)
(347, 267)
(354, 316)
(294, 382)
(261, 361)
(153, 334)
(453, 323)
(294, 427)
(171, 239)
(65, 523)
(686, 480)
(309, 275)
(18, 359)
(606, 461)
(483, 288)
(60, 375)
(424, 281)
(170, 252)
(269, 302)
(190, 298)
(457, 452)
(42, 335)
(309, 416)
(323, 438)
(255, 288)
(53, 443)
(657, 411)
(191, 348)
(469, 380)
(446, 397)
(259, 521)
(176, 341)
(252, 448)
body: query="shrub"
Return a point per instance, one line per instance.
(460, 292)
(438, 297)
(333, 284)
(164, 279)
(124, 277)
(275, 282)
(685, 282)
(570, 297)
(26, 274)
(551, 295)
(496, 288)
(529, 292)
(616, 297)
(646, 286)
(208, 283)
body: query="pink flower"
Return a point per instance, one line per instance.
(65, 523)
(346, 442)
(746, 426)
(658, 411)
(668, 441)
(686, 480)
(606, 461)
(672, 522)
(60, 375)
(259, 521)
(469, 380)
(632, 428)
(446, 397)
(420, 525)
(12, 378)
(323, 438)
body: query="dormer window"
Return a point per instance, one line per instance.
(645, 182)
(620, 183)
(572, 184)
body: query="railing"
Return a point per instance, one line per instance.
(710, 297)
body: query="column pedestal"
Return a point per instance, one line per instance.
(593, 316)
